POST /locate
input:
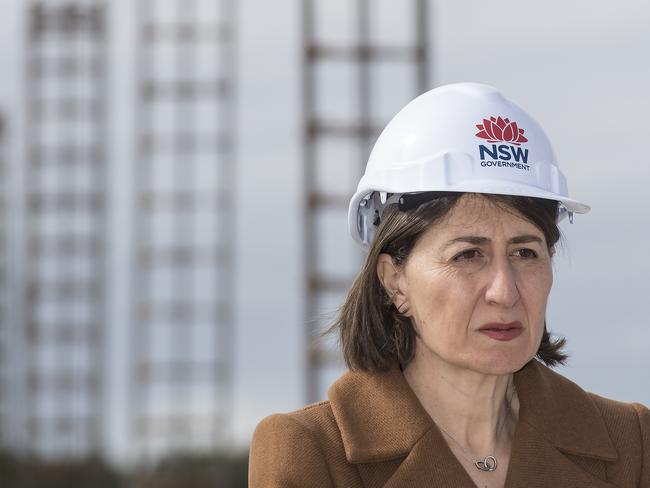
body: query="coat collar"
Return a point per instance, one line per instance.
(380, 418)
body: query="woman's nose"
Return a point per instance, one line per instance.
(502, 287)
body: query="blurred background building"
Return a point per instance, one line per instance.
(174, 336)
(174, 179)
(182, 328)
(62, 285)
(5, 376)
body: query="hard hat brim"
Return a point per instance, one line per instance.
(481, 187)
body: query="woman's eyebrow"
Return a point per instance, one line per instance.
(479, 240)
(524, 239)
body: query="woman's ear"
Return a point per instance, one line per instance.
(390, 275)
(387, 272)
(552, 251)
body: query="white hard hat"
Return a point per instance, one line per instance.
(463, 137)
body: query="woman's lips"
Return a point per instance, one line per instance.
(502, 332)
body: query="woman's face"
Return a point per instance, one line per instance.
(480, 264)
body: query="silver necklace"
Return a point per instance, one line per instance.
(489, 463)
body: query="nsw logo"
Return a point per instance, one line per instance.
(509, 155)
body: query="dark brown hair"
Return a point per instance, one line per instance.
(373, 334)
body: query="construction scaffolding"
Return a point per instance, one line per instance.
(182, 328)
(62, 319)
(362, 61)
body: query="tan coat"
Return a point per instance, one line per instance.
(373, 432)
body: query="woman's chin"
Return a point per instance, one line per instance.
(500, 363)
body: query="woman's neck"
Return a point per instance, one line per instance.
(469, 405)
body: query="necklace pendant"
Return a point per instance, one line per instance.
(488, 464)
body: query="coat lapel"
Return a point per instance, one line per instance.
(381, 419)
(378, 414)
(430, 463)
(537, 463)
(556, 417)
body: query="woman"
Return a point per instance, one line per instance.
(444, 328)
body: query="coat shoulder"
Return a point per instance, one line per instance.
(318, 419)
(303, 446)
(629, 428)
(644, 424)
(614, 409)
(617, 414)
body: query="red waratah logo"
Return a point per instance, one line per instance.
(500, 130)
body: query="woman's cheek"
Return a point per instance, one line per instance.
(536, 279)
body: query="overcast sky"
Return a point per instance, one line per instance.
(579, 67)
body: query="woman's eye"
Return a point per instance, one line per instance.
(526, 253)
(467, 255)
